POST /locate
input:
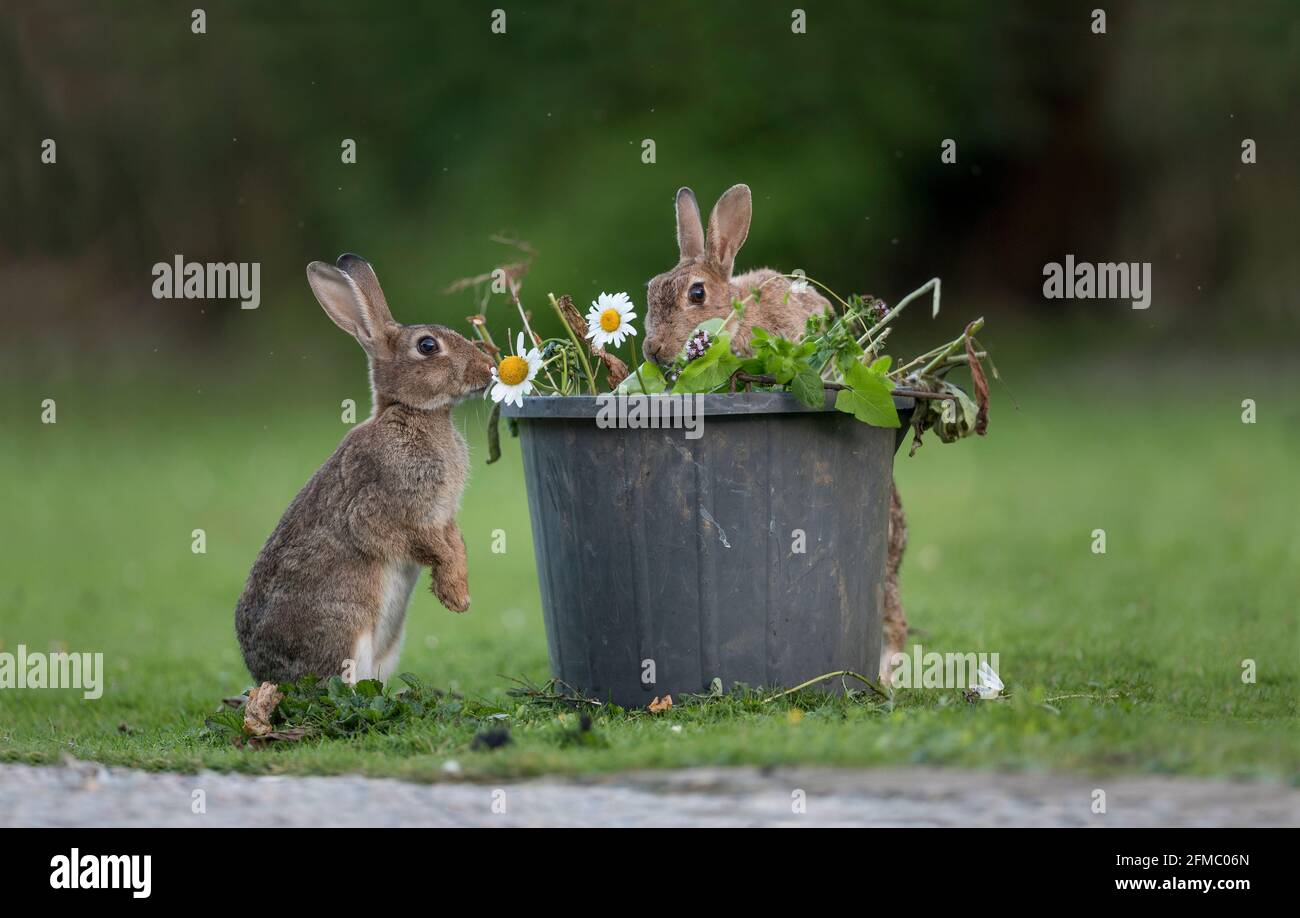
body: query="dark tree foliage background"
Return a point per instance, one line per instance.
(226, 147)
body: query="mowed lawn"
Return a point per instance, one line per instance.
(1130, 660)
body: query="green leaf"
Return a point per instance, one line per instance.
(781, 366)
(847, 353)
(339, 691)
(807, 387)
(651, 376)
(869, 397)
(881, 365)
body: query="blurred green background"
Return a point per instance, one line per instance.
(175, 415)
(226, 147)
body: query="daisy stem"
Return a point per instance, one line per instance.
(533, 340)
(586, 366)
(548, 375)
(563, 380)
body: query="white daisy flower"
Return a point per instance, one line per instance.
(512, 378)
(989, 684)
(609, 320)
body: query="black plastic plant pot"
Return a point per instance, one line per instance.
(750, 548)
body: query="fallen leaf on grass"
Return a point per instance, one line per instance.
(658, 707)
(257, 711)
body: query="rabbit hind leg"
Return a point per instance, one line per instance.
(893, 618)
(363, 657)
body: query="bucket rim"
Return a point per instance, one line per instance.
(714, 403)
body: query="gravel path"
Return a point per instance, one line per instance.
(85, 794)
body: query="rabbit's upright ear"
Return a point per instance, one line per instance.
(690, 231)
(352, 298)
(728, 227)
(363, 275)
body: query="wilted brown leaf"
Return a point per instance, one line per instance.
(981, 387)
(261, 703)
(658, 707)
(616, 368)
(572, 316)
(494, 434)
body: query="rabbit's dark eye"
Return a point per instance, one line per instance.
(427, 345)
(696, 294)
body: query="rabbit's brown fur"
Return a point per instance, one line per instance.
(332, 583)
(672, 313)
(769, 301)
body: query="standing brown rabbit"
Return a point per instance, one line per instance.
(331, 585)
(701, 286)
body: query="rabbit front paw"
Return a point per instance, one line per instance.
(455, 596)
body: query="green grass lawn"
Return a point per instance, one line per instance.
(1200, 574)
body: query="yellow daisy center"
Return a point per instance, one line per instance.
(513, 370)
(610, 320)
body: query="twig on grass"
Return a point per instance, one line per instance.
(842, 673)
(1108, 696)
(547, 693)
